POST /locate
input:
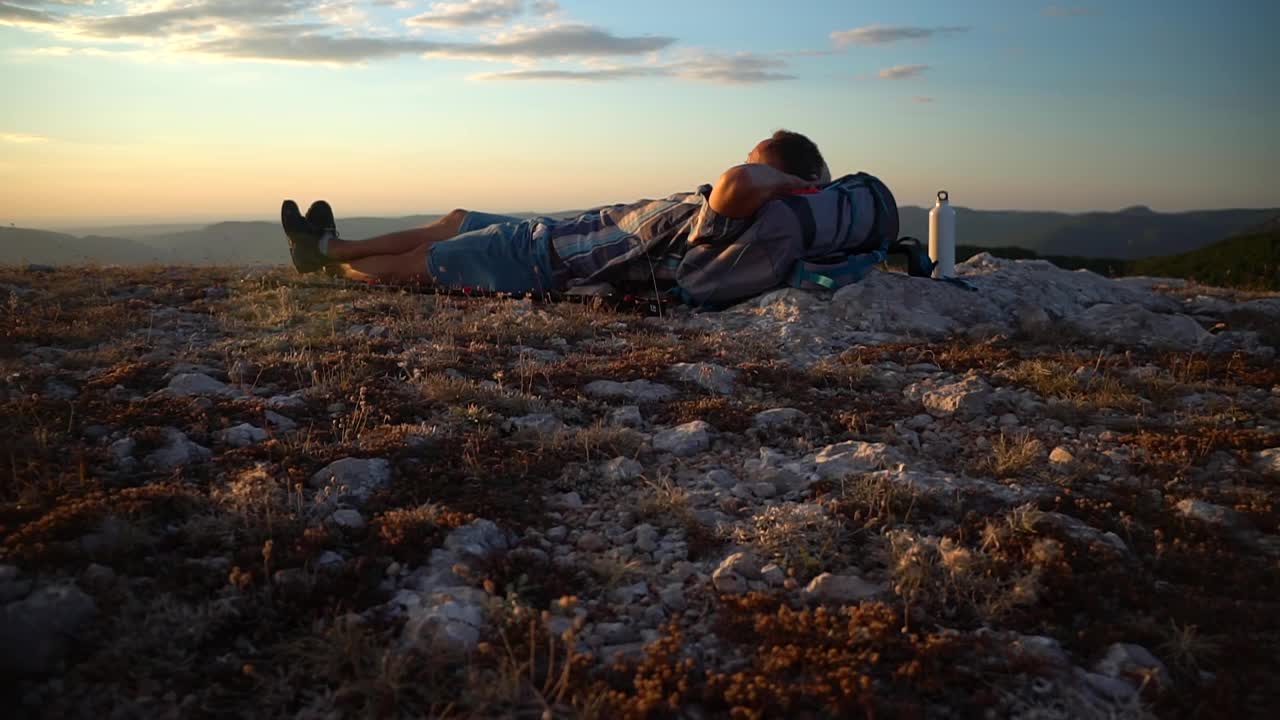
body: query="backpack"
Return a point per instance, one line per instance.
(815, 241)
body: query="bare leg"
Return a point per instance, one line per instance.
(403, 269)
(397, 243)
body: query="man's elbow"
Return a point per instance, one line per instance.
(734, 194)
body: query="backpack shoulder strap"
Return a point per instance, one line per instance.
(918, 262)
(804, 214)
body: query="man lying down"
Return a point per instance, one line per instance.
(637, 245)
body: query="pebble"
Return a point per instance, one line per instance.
(348, 519)
(841, 589)
(646, 538)
(592, 542)
(1061, 457)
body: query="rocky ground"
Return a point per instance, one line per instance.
(230, 493)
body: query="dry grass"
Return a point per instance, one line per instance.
(1011, 455)
(198, 612)
(803, 540)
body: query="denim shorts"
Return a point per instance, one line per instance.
(496, 253)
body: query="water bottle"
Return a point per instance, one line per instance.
(942, 237)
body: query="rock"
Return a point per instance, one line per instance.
(621, 469)
(1032, 320)
(538, 424)
(1061, 457)
(1134, 663)
(778, 419)
(292, 582)
(1267, 462)
(476, 540)
(279, 422)
(646, 538)
(357, 478)
(773, 575)
(243, 435)
(592, 542)
(615, 633)
(1210, 514)
(635, 390)
(199, 385)
(720, 477)
(565, 501)
(672, 597)
(178, 452)
(626, 416)
(558, 533)
(37, 632)
(447, 622)
(840, 589)
(763, 490)
(286, 403)
(12, 588)
(1133, 325)
(919, 422)
(1108, 688)
(1082, 532)
(329, 560)
(1042, 648)
(37, 268)
(630, 594)
(98, 577)
(708, 376)
(968, 398)
(684, 440)
(347, 519)
(122, 449)
(733, 573)
(55, 390)
(847, 458)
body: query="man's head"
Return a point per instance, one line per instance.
(792, 153)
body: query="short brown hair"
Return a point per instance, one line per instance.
(795, 154)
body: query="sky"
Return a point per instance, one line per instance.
(171, 110)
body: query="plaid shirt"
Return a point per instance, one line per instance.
(635, 247)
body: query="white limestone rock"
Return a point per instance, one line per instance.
(635, 390)
(37, 632)
(356, 478)
(841, 589)
(684, 440)
(178, 451)
(708, 376)
(243, 435)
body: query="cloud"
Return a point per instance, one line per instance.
(885, 34)
(922, 99)
(353, 32)
(190, 19)
(739, 69)
(590, 75)
(561, 41)
(1069, 11)
(22, 138)
(298, 43)
(459, 13)
(902, 72)
(20, 16)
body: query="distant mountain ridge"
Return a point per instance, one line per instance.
(1132, 233)
(1135, 232)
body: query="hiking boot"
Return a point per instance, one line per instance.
(304, 240)
(320, 215)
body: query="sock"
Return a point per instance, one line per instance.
(323, 244)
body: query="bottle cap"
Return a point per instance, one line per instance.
(943, 196)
